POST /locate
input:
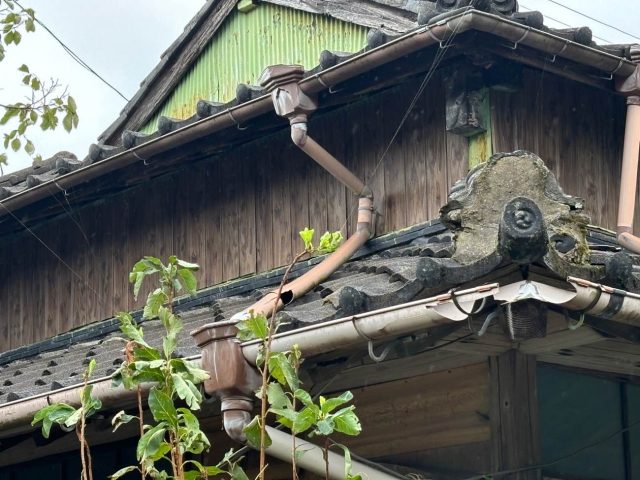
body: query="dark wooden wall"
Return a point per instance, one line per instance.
(234, 216)
(577, 130)
(241, 214)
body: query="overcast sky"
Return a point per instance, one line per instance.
(122, 40)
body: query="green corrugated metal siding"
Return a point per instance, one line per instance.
(248, 42)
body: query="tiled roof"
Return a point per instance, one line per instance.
(388, 272)
(419, 13)
(388, 277)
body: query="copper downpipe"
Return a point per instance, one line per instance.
(322, 271)
(629, 177)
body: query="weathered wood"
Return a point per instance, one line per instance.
(248, 236)
(513, 415)
(264, 209)
(361, 13)
(557, 123)
(438, 410)
(410, 185)
(213, 226)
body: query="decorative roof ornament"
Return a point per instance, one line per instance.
(511, 210)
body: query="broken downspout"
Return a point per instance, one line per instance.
(291, 102)
(629, 175)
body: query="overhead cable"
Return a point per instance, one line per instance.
(594, 19)
(74, 55)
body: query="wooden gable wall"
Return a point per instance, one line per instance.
(240, 214)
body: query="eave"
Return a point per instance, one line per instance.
(564, 53)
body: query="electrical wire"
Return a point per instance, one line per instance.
(425, 81)
(594, 19)
(557, 460)
(73, 55)
(561, 22)
(60, 259)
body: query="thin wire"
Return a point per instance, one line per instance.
(425, 81)
(73, 55)
(76, 274)
(594, 19)
(557, 460)
(561, 22)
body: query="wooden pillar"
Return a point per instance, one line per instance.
(514, 415)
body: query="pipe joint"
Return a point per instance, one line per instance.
(299, 133)
(236, 415)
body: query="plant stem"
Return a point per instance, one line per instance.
(265, 367)
(325, 454)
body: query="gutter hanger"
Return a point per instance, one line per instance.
(408, 43)
(221, 348)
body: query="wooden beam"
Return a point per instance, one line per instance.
(514, 414)
(480, 145)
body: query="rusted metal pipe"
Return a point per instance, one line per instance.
(327, 161)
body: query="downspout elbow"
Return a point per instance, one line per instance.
(299, 131)
(236, 415)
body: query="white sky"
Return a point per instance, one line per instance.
(122, 40)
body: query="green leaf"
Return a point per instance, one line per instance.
(303, 396)
(35, 83)
(90, 368)
(23, 68)
(325, 427)
(276, 396)
(195, 374)
(155, 300)
(307, 238)
(67, 122)
(187, 265)
(29, 148)
(71, 104)
(149, 444)
(187, 391)
(29, 25)
(188, 280)
(346, 421)
(121, 418)
(282, 371)
(132, 331)
(162, 407)
(237, 473)
(56, 413)
(15, 144)
(256, 326)
(330, 241)
(252, 432)
(123, 471)
(304, 420)
(329, 405)
(285, 416)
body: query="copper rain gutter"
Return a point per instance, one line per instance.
(629, 175)
(515, 33)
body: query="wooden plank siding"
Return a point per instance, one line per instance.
(576, 129)
(240, 213)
